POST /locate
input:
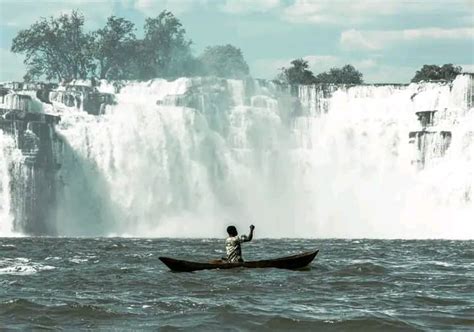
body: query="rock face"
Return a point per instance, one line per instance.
(33, 177)
(82, 97)
(426, 118)
(429, 143)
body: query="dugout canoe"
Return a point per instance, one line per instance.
(290, 262)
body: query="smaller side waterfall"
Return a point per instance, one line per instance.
(28, 164)
(10, 158)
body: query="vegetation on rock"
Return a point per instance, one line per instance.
(345, 75)
(299, 73)
(446, 72)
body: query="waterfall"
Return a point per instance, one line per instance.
(190, 156)
(10, 157)
(147, 168)
(363, 182)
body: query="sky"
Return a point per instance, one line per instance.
(387, 40)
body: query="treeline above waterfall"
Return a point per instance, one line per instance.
(299, 73)
(58, 48)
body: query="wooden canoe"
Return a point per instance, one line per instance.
(289, 262)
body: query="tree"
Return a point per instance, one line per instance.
(224, 61)
(433, 72)
(345, 75)
(298, 73)
(114, 48)
(56, 48)
(165, 51)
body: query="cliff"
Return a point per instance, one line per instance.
(33, 180)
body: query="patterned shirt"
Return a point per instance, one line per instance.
(232, 247)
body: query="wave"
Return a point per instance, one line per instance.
(17, 306)
(22, 266)
(357, 269)
(354, 324)
(433, 300)
(29, 314)
(7, 247)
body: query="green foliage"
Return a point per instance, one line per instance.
(434, 73)
(165, 51)
(115, 48)
(298, 73)
(345, 75)
(224, 61)
(57, 48)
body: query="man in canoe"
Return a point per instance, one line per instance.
(232, 244)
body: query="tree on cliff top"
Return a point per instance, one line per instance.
(114, 48)
(224, 61)
(434, 73)
(59, 49)
(56, 48)
(345, 75)
(297, 73)
(165, 51)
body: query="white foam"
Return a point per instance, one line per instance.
(22, 266)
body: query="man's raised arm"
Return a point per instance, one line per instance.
(250, 237)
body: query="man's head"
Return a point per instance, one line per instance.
(232, 231)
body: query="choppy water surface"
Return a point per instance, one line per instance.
(120, 284)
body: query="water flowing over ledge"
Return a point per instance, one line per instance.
(187, 157)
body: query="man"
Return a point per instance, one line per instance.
(232, 244)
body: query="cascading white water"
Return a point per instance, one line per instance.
(143, 169)
(361, 179)
(342, 166)
(10, 157)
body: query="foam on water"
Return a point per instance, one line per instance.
(22, 266)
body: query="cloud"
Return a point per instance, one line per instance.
(351, 12)
(317, 62)
(388, 74)
(153, 7)
(22, 15)
(249, 6)
(377, 40)
(467, 68)
(366, 64)
(337, 11)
